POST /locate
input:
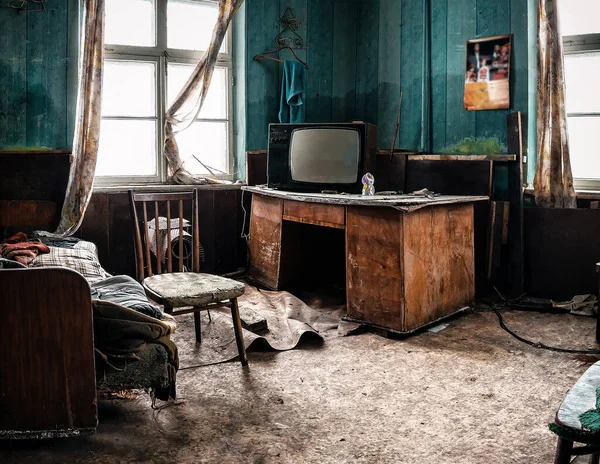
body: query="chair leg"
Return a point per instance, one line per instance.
(563, 451)
(595, 458)
(237, 328)
(198, 327)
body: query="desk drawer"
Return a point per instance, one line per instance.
(315, 213)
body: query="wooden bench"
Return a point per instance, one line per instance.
(578, 420)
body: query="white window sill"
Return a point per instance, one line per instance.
(581, 194)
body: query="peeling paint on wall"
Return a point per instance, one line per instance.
(477, 146)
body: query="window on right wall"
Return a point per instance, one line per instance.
(580, 30)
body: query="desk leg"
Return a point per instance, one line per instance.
(265, 240)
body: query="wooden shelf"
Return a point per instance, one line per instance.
(35, 152)
(426, 157)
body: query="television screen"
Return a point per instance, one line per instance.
(325, 155)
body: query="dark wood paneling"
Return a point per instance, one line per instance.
(95, 227)
(206, 210)
(450, 177)
(515, 197)
(561, 250)
(108, 224)
(226, 232)
(34, 175)
(35, 187)
(390, 171)
(256, 167)
(48, 380)
(43, 214)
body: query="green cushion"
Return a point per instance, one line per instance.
(578, 417)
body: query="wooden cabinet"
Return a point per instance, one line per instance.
(407, 270)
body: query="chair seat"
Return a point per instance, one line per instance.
(580, 401)
(192, 289)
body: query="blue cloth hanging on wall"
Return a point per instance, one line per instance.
(293, 85)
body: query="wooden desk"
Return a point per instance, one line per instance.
(409, 260)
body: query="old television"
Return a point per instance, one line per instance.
(320, 157)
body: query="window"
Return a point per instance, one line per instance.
(152, 47)
(581, 39)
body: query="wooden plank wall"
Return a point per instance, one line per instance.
(107, 223)
(36, 62)
(561, 251)
(363, 53)
(339, 62)
(432, 34)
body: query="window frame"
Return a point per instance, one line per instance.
(163, 55)
(581, 45)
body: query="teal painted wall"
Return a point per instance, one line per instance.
(37, 84)
(362, 54)
(341, 81)
(424, 56)
(332, 30)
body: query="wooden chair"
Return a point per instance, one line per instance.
(582, 399)
(167, 283)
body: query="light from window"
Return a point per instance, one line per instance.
(579, 17)
(580, 28)
(130, 22)
(215, 105)
(148, 59)
(128, 148)
(584, 140)
(207, 138)
(129, 124)
(190, 25)
(129, 88)
(207, 141)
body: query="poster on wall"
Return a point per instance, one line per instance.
(487, 77)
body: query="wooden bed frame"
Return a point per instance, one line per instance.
(48, 376)
(47, 372)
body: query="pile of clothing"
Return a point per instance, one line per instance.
(22, 250)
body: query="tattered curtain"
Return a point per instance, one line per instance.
(87, 123)
(186, 107)
(553, 183)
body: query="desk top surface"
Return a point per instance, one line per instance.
(405, 202)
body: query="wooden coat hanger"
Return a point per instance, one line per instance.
(263, 56)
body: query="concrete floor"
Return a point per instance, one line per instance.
(468, 394)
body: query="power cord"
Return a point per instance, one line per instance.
(506, 304)
(244, 235)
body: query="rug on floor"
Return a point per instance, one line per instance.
(290, 321)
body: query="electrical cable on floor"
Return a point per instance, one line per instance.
(203, 365)
(507, 303)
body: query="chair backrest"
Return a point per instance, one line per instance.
(151, 239)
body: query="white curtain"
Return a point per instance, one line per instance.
(88, 117)
(186, 107)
